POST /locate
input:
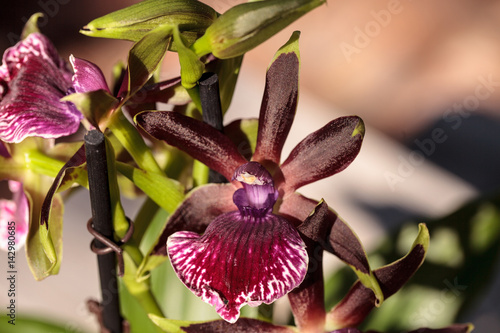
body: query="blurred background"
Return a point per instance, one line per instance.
(425, 77)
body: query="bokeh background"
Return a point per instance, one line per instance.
(425, 77)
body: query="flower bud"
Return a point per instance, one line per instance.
(245, 26)
(133, 22)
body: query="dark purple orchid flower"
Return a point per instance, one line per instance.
(251, 251)
(33, 79)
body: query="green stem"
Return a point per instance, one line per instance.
(42, 164)
(200, 173)
(133, 142)
(140, 290)
(144, 217)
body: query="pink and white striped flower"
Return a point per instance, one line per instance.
(14, 218)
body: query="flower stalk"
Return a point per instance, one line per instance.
(95, 146)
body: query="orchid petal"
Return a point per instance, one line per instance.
(239, 260)
(14, 218)
(323, 153)
(200, 207)
(243, 325)
(278, 107)
(307, 300)
(4, 150)
(33, 78)
(456, 328)
(359, 301)
(88, 77)
(77, 160)
(196, 138)
(334, 235)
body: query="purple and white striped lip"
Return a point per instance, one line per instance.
(247, 256)
(258, 195)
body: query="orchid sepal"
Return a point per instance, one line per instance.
(360, 300)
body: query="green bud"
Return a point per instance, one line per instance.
(133, 22)
(245, 26)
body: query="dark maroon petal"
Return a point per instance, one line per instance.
(76, 160)
(359, 301)
(196, 138)
(200, 207)
(323, 153)
(243, 325)
(347, 330)
(456, 328)
(4, 151)
(239, 260)
(278, 108)
(327, 229)
(33, 80)
(164, 92)
(307, 300)
(88, 77)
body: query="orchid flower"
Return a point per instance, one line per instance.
(14, 217)
(251, 251)
(33, 79)
(347, 314)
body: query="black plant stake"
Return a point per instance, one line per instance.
(212, 112)
(102, 224)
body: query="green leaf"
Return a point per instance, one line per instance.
(34, 325)
(94, 105)
(247, 25)
(144, 58)
(120, 223)
(170, 325)
(43, 247)
(166, 192)
(137, 299)
(133, 22)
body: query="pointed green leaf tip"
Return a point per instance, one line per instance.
(292, 46)
(247, 25)
(31, 25)
(360, 128)
(133, 22)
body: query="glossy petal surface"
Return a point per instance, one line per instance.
(196, 138)
(278, 107)
(244, 325)
(33, 78)
(239, 260)
(14, 217)
(323, 153)
(87, 77)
